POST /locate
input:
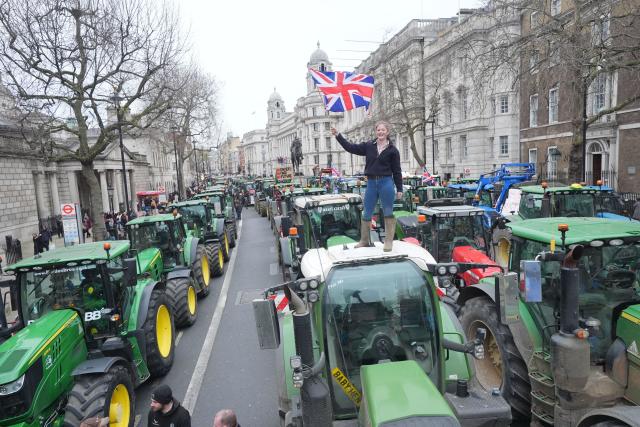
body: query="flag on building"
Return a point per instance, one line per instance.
(343, 91)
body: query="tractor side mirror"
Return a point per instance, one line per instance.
(532, 290)
(507, 295)
(267, 325)
(130, 272)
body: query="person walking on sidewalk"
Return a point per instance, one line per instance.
(166, 411)
(383, 172)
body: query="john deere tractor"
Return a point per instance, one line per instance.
(562, 326)
(90, 330)
(200, 220)
(168, 254)
(368, 343)
(222, 206)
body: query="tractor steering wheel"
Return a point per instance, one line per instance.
(462, 241)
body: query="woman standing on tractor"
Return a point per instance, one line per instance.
(382, 169)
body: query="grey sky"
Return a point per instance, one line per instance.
(253, 46)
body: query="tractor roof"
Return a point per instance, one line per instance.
(192, 202)
(299, 191)
(304, 202)
(581, 230)
(153, 218)
(78, 253)
(573, 188)
(450, 210)
(318, 262)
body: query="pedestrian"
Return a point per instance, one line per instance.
(636, 210)
(238, 205)
(167, 411)
(45, 239)
(154, 207)
(37, 245)
(225, 418)
(86, 225)
(95, 422)
(382, 168)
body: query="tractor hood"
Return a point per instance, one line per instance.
(147, 258)
(398, 391)
(22, 350)
(339, 240)
(472, 255)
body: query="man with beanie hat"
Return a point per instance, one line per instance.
(166, 411)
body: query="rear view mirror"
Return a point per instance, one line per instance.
(532, 271)
(267, 325)
(130, 272)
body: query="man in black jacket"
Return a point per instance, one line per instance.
(166, 411)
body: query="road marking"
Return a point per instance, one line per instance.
(137, 420)
(273, 269)
(191, 396)
(178, 338)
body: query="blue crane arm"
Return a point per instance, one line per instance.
(508, 174)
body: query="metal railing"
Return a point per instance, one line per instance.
(12, 250)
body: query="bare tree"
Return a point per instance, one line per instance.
(575, 46)
(192, 113)
(67, 58)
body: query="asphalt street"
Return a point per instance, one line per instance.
(218, 363)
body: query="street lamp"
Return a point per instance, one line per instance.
(174, 130)
(116, 98)
(431, 120)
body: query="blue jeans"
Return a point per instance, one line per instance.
(382, 188)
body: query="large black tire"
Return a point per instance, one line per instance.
(232, 236)
(214, 251)
(224, 243)
(159, 354)
(201, 269)
(503, 365)
(92, 394)
(184, 300)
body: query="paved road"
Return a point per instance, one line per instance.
(235, 373)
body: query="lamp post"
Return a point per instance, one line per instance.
(431, 120)
(116, 98)
(174, 129)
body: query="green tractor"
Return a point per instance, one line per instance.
(287, 205)
(368, 343)
(318, 221)
(562, 326)
(201, 222)
(90, 330)
(168, 254)
(222, 205)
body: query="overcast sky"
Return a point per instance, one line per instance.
(253, 46)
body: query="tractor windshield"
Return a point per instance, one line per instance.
(335, 220)
(378, 313)
(452, 231)
(65, 287)
(195, 213)
(609, 203)
(573, 205)
(608, 279)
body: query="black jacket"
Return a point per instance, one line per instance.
(176, 417)
(386, 164)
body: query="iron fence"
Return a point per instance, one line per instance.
(12, 249)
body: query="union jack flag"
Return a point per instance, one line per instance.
(427, 178)
(342, 90)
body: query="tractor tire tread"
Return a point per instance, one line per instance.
(177, 291)
(157, 364)
(212, 251)
(196, 268)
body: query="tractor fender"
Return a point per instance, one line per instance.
(478, 290)
(626, 414)
(100, 365)
(193, 250)
(144, 302)
(179, 272)
(285, 248)
(220, 229)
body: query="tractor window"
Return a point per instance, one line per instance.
(309, 239)
(336, 220)
(609, 203)
(459, 231)
(80, 287)
(378, 313)
(530, 206)
(197, 214)
(573, 205)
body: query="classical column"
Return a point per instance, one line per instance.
(104, 191)
(55, 196)
(37, 181)
(132, 191)
(116, 191)
(73, 187)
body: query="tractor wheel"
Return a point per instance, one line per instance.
(226, 250)
(232, 236)
(201, 271)
(181, 292)
(503, 366)
(159, 334)
(214, 251)
(102, 395)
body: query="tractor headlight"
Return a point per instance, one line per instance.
(313, 284)
(453, 269)
(12, 387)
(442, 270)
(313, 297)
(303, 286)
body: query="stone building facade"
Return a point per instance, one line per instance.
(256, 152)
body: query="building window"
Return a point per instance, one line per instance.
(533, 110)
(405, 148)
(600, 31)
(448, 148)
(314, 127)
(504, 145)
(316, 144)
(535, 19)
(448, 109)
(534, 59)
(329, 160)
(553, 105)
(436, 150)
(327, 125)
(313, 110)
(327, 142)
(554, 54)
(533, 156)
(555, 7)
(464, 150)
(462, 102)
(552, 162)
(599, 93)
(504, 104)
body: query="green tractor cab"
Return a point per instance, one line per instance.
(563, 331)
(222, 205)
(200, 220)
(369, 343)
(323, 220)
(167, 253)
(91, 329)
(286, 206)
